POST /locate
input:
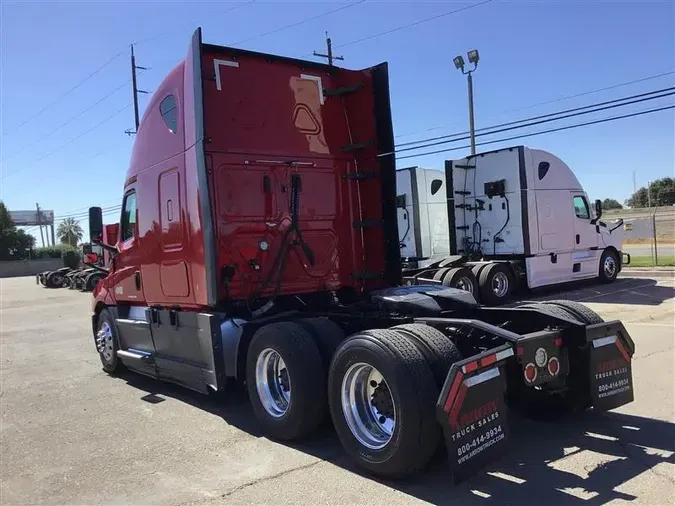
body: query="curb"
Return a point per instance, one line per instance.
(664, 272)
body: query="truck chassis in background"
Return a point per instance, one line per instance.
(502, 221)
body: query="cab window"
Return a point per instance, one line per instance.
(581, 208)
(169, 111)
(129, 216)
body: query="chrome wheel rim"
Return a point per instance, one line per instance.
(273, 383)
(368, 406)
(465, 284)
(610, 267)
(500, 284)
(104, 342)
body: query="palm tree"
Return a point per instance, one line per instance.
(70, 231)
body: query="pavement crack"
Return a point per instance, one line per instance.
(654, 353)
(271, 477)
(631, 453)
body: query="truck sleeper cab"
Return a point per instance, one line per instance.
(500, 219)
(258, 243)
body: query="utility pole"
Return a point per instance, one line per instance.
(634, 182)
(329, 52)
(39, 220)
(136, 91)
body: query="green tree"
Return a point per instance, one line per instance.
(15, 244)
(611, 204)
(661, 193)
(70, 231)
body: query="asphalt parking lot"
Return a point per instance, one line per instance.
(70, 434)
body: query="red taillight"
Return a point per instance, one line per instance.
(470, 367)
(558, 342)
(530, 372)
(553, 366)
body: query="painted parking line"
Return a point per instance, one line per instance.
(614, 292)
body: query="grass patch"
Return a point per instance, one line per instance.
(648, 261)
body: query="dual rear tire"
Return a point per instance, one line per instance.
(380, 388)
(489, 283)
(461, 278)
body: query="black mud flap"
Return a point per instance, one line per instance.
(611, 351)
(472, 411)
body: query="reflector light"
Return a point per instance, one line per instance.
(530, 372)
(553, 366)
(558, 341)
(489, 360)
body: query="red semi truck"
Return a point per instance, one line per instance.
(258, 242)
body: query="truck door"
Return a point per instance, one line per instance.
(585, 237)
(128, 283)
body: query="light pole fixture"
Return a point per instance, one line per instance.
(473, 57)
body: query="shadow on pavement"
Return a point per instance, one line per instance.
(633, 291)
(586, 459)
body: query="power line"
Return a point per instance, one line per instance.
(50, 153)
(286, 27)
(60, 97)
(532, 134)
(86, 213)
(173, 30)
(594, 91)
(598, 90)
(67, 122)
(562, 115)
(82, 209)
(414, 23)
(99, 69)
(298, 23)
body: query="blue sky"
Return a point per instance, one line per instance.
(74, 153)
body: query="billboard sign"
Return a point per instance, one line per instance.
(29, 218)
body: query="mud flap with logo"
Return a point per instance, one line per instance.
(611, 350)
(472, 412)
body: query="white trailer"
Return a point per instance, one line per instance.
(501, 220)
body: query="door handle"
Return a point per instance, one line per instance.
(137, 279)
(578, 239)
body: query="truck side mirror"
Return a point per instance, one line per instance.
(598, 208)
(95, 224)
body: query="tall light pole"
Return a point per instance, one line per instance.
(459, 64)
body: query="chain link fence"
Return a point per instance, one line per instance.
(649, 234)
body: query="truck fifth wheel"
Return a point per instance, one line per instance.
(258, 242)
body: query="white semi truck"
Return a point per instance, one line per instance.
(502, 220)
